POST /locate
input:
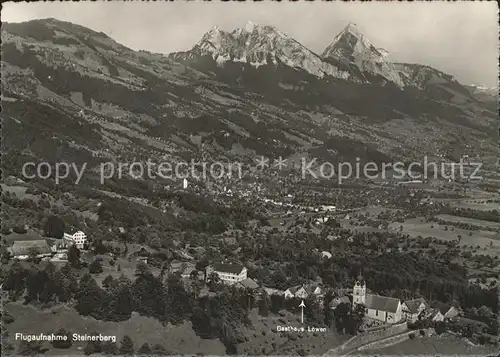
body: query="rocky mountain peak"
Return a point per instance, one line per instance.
(353, 49)
(260, 45)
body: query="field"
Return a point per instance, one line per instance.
(19, 191)
(178, 339)
(472, 221)
(431, 346)
(415, 227)
(477, 205)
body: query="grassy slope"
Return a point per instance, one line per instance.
(179, 339)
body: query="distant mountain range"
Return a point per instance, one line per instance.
(76, 94)
(350, 56)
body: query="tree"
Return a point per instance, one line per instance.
(6, 346)
(32, 255)
(99, 248)
(155, 242)
(202, 266)
(327, 311)
(195, 282)
(228, 338)
(141, 269)
(89, 297)
(342, 316)
(92, 347)
(7, 317)
(277, 303)
(214, 279)
(194, 275)
(66, 283)
(74, 256)
(127, 346)
(5, 256)
(144, 349)
(95, 267)
(357, 318)
(109, 348)
(178, 301)
(121, 300)
(62, 344)
(106, 283)
(54, 227)
(159, 350)
(4, 230)
(264, 305)
(32, 348)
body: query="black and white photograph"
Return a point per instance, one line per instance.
(250, 178)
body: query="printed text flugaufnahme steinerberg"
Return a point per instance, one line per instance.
(75, 337)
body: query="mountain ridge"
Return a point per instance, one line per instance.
(259, 45)
(128, 103)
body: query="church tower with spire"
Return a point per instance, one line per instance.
(359, 291)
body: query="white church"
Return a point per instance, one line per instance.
(382, 308)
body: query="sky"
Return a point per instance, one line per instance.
(459, 38)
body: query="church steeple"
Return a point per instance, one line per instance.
(360, 278)
(359, 291)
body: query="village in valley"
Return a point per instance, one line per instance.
(179, 182)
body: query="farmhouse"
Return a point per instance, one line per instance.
(187, 269)
(272, 291)
(340, 300)
(22, 249)
(325, 254)
(382, 308)
(247, 284)
(59, 245)
(295, 291)
(302, 291)
(444, 311)
(176, 265)
(413, 309)
(229, 273)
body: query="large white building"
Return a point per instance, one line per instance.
(230, 273)
(79, 239)
(382, 308)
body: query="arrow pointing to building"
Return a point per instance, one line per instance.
(302, 305)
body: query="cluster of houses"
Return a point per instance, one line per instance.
(381, 308)
(47, 248)
(393, 310)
